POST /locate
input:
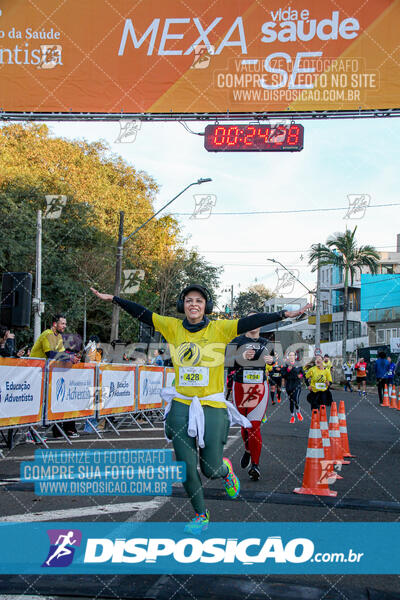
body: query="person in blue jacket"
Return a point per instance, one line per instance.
(381, 369)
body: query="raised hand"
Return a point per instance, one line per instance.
(105, 297)
(295, 313)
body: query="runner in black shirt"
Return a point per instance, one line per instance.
(275, 379)
(250, 392)
(292, 376)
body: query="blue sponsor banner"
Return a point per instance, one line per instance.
(225, 548)
(103, 472)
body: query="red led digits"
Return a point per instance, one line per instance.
(293, 135)
(248, 139)
(264, 135)
(254, 138)
(219, 133)
(232, 136)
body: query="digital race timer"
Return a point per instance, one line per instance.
(254, 138)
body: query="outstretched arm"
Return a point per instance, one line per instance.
(136, 310)
(260, 319)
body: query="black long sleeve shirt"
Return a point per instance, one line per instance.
(239, 345)
(244, 324)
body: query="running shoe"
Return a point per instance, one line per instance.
(72, 434)
(254, 472)
(273, 402)
(232, 483)
(198, 524)
(292, 419)
(245, 459)
(299, 416)
(279, 399)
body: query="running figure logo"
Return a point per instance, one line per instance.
(62, 547)
(286, 281)
(358, 204)
(204, 203)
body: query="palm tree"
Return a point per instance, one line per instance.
(341, 250)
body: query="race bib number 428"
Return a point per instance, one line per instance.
(193, 376)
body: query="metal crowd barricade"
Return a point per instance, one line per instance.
(71, 393)
(117, 387)
(22, 396)
(37, 392)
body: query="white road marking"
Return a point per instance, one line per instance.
(87, 511)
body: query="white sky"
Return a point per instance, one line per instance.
(340, 157)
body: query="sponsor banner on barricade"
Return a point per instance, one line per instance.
(255, 548)
(21, 391)
(70, 391)
(150, 382)
(117, 389)
(169, 378)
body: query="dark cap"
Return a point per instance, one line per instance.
(197, 288)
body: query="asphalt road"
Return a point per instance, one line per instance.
(368, 492)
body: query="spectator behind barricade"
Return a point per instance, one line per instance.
(157, 358)
(50, 343)
(7, 344)
(381, 369)
(92, 351)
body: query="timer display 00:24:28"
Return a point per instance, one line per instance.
(254, 138)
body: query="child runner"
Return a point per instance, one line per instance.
(196, 406)
(361, 376)
(292, 376)
(319, 380)
(348, 374)
(250, 393)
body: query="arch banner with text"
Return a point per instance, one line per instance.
(80, 56)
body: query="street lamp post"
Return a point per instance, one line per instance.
(120, 250)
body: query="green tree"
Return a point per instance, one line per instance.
(73, 255)
(341, 250)
(79, 248)
(180, 269)
(88, 174)
(252, 299)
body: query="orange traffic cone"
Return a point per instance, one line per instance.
(314, 481)
(334, 434)
(385, 397)
(344, 440)
(393, 401)
(326, 443)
